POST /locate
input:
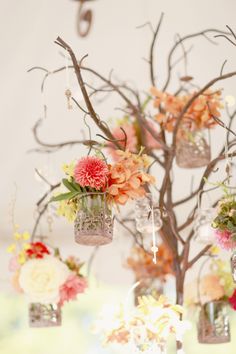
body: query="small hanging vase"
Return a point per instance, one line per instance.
(192, 151)
(233, 265)
(94, 223)
(213, 324)
(44, 315)
(143, 215)
(148, 286)
(203, 231)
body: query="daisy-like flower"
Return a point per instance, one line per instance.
(91, 172)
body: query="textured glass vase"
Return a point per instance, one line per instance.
(193, 152)
(44, 315)
(233, 265)
(203, 231)
(213, 324)
(144, 217)
(94, 223)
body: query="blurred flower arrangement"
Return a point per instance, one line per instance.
(41, 274)
(145, 326)
(225, 223)
(214, 286)
(141, 263)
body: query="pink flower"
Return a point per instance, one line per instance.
(91, 172)
(131, 143)
(14, 264)
(150, 140)
(224, 239)
(74, 285)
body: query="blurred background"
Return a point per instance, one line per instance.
(28, 29)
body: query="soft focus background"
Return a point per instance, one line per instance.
(28, 29)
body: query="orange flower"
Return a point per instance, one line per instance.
(198, 115)
(127, 177)
(142, 264)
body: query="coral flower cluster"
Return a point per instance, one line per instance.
(141, 263)
(127, 177)
(197, 117)
(42, 276)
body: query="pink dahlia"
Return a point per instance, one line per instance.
(73, 286)
(224, 239)
(91, 172)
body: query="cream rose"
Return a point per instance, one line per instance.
(40, 279)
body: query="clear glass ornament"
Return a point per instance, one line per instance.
(144, 216)
(203, 231)
(148, 286)
(44, 315)
(193, 151)
(94, 222)
(213, 324)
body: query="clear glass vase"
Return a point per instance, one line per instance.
(233, 265)
(44, 315)
(144, 217)
(203, 231)
(213, 324)
(94, 223)
(193, 151)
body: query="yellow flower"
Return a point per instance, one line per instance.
(67, 209)
(11, 248)
(25, 236)
(69, 168)
(17, 236)
(214, 250)
(21, 257)
(26, 246)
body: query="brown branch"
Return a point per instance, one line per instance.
(151, 57)
(198, 256)
(176, 45)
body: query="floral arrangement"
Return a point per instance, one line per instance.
(141, 263)
(133, 136)
(214, 286)
(225, 223)
(122, 181)
(41, 274)
(146, 325)
(198, 116)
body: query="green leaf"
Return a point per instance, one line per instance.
(69, 185)
(64, 196)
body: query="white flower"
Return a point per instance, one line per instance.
(41, 279)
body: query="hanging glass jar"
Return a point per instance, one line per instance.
(148, 286)
(94, 223)
(192, 151)
(213, 324)
(144, 216)
(203, 231)
(233, 265)
(44, 315)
